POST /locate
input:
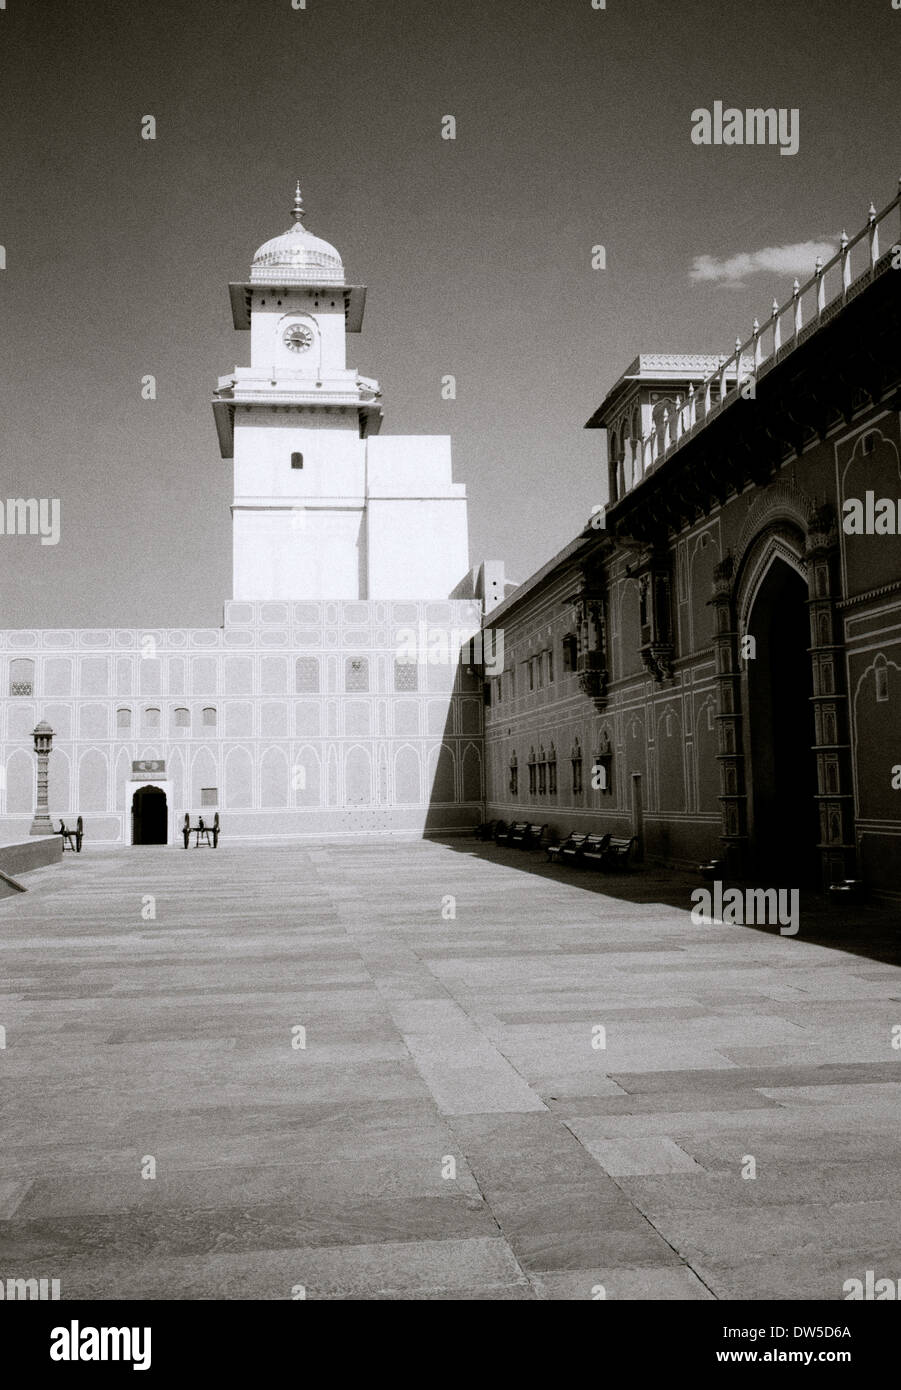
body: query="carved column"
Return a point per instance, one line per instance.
(730, 755)
(43, 740)
(832, 747)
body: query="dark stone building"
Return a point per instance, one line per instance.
(714, 665)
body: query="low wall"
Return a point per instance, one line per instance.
(23, 855)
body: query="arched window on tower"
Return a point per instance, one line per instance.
(612, 457)
(297, 460)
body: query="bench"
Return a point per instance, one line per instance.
(616, 855)
(567, 850)
(504, 835)
(535, 837)
(72, 838)
(595, 850)
(208, 833)
(486, 830)
(527, 836)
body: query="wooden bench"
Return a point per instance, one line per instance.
(527, 836)
(567, 850)
(594, 850)
(72, 838)
(208, 833)
(505, 836)
(535, 837)
(616, 856)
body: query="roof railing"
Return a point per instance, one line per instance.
(854, 262)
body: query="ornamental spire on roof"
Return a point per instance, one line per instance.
(297, 210)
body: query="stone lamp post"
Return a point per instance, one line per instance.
(43, 741)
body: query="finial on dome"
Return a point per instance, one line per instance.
(298, 204)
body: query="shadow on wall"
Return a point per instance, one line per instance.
(455, 775)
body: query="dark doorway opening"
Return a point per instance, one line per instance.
(784, 814)
(149, 816)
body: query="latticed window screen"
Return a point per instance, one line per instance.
(356, 673)
(406, 675)
(123, 718)
(306, 675)
(209, 796)
(21, 676)
(151, 719)
(209, 717)
(182, 719)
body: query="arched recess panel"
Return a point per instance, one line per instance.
(704, 557)
(670, 762)
(306, 778)
(635, 749)
(204, 773)
(629, 630)
(93, 774)
(274, 779)
(21, 782)
(357, 777)
(176, 769)
(441, 774)
(331, 769)
(59, 784)
(472, 773)
(705, 757)
(877, 719)
(407, 776)
(238, 779)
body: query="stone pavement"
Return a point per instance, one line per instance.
(561, 1087)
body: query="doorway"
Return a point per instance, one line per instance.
(149, 817)
(784, 816)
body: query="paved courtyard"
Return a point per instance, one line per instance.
(514, 1082)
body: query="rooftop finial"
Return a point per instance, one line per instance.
(298, 204)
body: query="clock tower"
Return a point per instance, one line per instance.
(323, 508)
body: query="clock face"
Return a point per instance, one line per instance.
(298, 337)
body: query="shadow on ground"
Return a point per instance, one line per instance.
(871, 930)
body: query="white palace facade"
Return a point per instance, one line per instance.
(303, 714)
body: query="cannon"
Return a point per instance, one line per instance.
(206, 834)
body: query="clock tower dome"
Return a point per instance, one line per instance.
(323, 509)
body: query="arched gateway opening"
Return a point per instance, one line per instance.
(783, 809)
(149, 817)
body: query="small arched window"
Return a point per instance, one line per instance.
(182, 719)
(297, 460)
(208, 718)
(123, 718)
(21, 676)
(151, 718)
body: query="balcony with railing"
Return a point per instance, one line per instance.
(809, 307)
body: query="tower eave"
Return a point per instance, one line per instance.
(241, 293)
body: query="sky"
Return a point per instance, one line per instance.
(573, 130)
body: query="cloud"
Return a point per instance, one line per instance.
(731, 272)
